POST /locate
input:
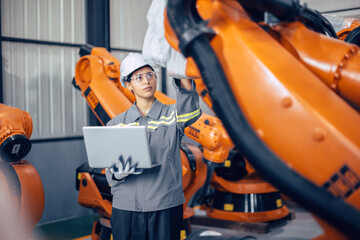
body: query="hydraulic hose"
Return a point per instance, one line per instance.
(315, 21)
(354, 37)
(317, 200)
(289, 10)
(284, 10)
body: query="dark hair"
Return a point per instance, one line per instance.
(130, 75)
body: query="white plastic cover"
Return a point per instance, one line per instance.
(156, 50)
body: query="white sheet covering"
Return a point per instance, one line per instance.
(156, 49)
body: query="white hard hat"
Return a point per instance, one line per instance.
(131, 63)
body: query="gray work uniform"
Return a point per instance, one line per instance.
(160, 187)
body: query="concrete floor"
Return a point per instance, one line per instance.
(302, 227)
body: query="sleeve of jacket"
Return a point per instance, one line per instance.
(187, 104)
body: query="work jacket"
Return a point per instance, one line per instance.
(159, 187)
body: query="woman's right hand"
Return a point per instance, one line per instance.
(121, 170)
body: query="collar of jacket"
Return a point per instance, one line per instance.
(154, 113)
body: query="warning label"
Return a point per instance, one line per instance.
(92, 99)
(343, 183)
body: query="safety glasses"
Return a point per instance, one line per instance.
(138, 78)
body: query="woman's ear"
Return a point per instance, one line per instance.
(128, 85)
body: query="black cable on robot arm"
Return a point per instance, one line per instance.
(283, 9)
(334, 210)
(289, 10)
(329, 28)
(354, 37)
(316, 21)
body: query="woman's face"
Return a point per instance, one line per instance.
(142, 84)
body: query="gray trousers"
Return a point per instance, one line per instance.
(158, 225)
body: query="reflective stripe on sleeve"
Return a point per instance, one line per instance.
(188, 116)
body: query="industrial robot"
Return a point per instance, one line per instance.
(287, 92)
(97, 76)
(22, 194)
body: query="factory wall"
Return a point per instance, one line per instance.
(56, 162)
(40, 44)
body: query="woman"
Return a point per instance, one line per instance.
(147, 204)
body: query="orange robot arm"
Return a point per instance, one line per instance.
(344, 33)
(209, 132)
(25, 193)
(97, 75)
(15, 131)
(338, 68)
(292, 128)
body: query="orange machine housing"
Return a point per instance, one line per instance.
(106, 97)
(243, 192)
(15, 131)
(342, 78)
(228, 193)
(343, 33)
(297, 89)
(25, 189)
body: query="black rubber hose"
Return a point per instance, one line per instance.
(282, 9)
(316, 21)
(329, 28)
(354, 37)
(316, 199)
(334, 210)
(289, 10)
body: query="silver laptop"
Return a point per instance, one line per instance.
(104, 145)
